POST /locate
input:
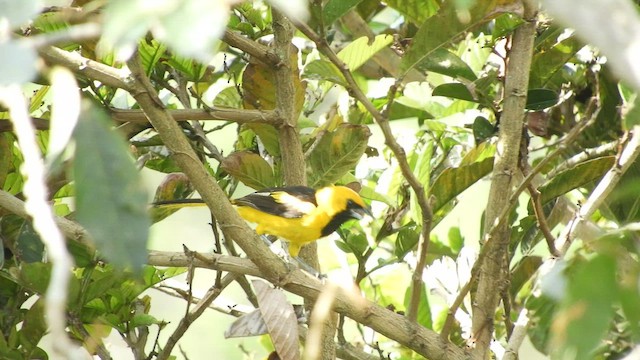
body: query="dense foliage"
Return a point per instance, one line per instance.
(496, 147)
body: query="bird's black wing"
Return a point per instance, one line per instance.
(288, 202)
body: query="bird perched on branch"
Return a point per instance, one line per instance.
(297, 214)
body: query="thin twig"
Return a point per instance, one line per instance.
(240, 116)
(542, 220)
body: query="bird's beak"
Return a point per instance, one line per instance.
(359, 213)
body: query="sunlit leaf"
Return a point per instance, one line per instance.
(416, 10)
(110, 199)
(250, 168)
(361, 50)
(575, 177)
(150, 54)
(324, 70)
(505, 24)
(337, 153)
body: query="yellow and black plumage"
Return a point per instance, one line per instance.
(299, 214)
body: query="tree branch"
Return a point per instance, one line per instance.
(493, 272)
(253, 48)
(285, 73)
(69, 228)
(394, 326)
(87, 68)
(239, 116)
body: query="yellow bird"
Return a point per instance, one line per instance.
(297, 214)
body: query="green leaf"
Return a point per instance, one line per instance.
(422, 169)
(416, 10)
(34, 326)
(539, 99)
(439, 30)
(632, 116)
(407, 239)
(259, 89)
(505, 24)
(550, 57)
(456, 240)
(447, 63)
(268, 135)
(143, 320)
(543, 309)
(575, 177)
(586, 312)
(337, 153)
(454, 91)
(482, 129)
(250, 168)
(28, 244)
(229, 97)
(150, 54)
(361, 50)
(453, 181)
(355, 239)
(6, 160)
(324, 70)
(173, 186)
(37, 100)
(111, 201)
(193, 70)
(334, 9)
(523, 272)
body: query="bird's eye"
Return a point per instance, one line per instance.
(350, 203)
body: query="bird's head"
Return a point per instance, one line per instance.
(341, 200)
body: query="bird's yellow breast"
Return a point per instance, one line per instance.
(297, 231)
